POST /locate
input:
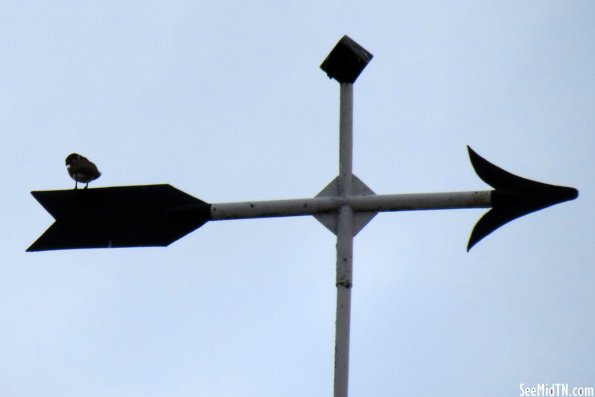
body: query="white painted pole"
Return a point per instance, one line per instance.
(345, 204)
(369, 203)
(344, 278)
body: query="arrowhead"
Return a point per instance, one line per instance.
(513, 197)
(127, 216)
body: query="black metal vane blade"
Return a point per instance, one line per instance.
(513, 197)
(126, 216)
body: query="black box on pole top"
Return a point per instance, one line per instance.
(346, 61)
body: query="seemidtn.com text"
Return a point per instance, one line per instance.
(555, 390)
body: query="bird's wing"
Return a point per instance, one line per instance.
(84, 166)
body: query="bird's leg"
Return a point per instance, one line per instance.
(87, 185)
(75, 185)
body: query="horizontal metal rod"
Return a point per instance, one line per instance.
(371, 203)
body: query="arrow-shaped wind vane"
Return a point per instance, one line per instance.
(157, 215)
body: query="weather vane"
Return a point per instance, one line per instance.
(158, 215)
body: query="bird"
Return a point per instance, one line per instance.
(81, 169)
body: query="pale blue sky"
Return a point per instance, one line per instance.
(226, 101)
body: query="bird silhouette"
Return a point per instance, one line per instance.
(81, 169)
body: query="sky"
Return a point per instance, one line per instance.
(226, 102)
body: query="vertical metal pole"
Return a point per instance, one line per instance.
(344, 243)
